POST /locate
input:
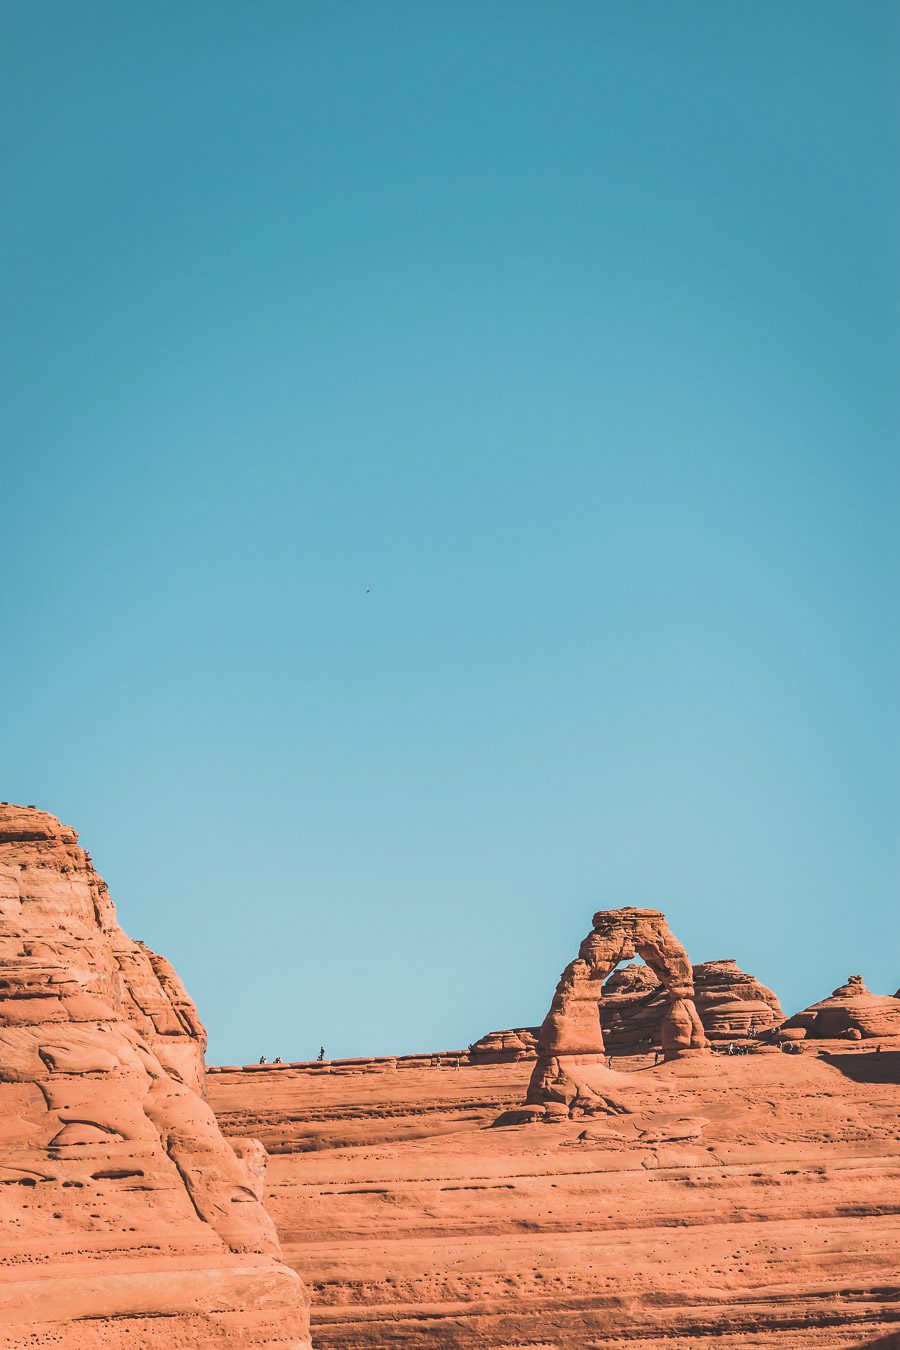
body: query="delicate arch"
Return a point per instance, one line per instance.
(570, 1043)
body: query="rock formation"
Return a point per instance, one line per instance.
(733, 1003)
(124, 1212)
(571, 1070)
(730, 1004)
(741, 1202)
(504, 1047)
(851, 1013)
(631, 1010)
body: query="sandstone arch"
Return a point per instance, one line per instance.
(571, 1068)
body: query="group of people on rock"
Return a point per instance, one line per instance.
(279, 1060)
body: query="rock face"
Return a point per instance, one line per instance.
(124, 1212)
(730, 1004)
(851, 1013)
(504, 1047)
(571, 1070)
(631, 1009)
(741, 1204)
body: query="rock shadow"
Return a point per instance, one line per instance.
(869, 1067)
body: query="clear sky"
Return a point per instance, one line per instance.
(451, 484)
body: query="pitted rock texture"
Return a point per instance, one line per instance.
(124, 1212)
(851, 1012)
(572, 1071)
(731, 1004)
(743, 1203)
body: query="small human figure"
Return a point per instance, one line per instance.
(456, 1065)
(321, 1054)
(657, 1056)
(262, 1059)
(878, 1049)
(277, 1059)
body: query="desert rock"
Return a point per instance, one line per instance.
(504, 1047)
(572, 1067)
(850, 1012)
(631, 1009)
(730, 1002)
(743, 1203)
(124, 1212)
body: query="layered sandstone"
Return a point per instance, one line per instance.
(504, 1047)
(572, 1073)
(851, 1012)
(742, 1203)
(730, 1002)
(124, 1212)
(631, 1009)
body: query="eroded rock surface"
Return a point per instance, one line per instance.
(504, 1047)
(731, 1004)
(572, 1071)
(741, 1204)
(851, 1012)
(125, 1214)
(631, 1009)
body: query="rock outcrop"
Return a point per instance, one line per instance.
(731, 1004)
(850, 1013)
(571, 1072)
(504, 1047)
(124, 1212)
(631, 1010)
(741, 1202)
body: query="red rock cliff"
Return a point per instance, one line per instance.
(124, 1212)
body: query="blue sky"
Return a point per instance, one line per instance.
(450, 485)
